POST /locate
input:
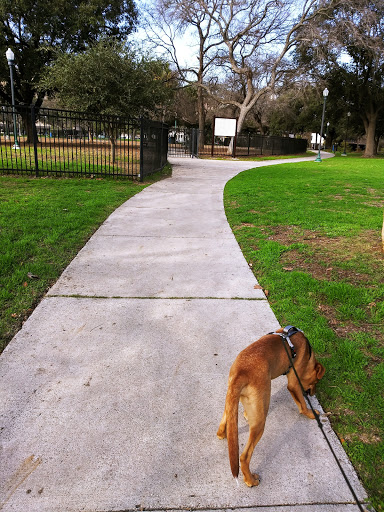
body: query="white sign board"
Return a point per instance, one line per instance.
(225, 127)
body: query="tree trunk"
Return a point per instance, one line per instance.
(113, 149)
(240, 121)
(201, 114)
(370, 132)
(27, 124)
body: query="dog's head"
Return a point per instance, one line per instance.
(312, 378)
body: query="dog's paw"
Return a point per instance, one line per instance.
(253, 481)
(309, 414)
(221, 433)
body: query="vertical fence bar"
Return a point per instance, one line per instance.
(141, 149)
(35, 139)
(193, 142)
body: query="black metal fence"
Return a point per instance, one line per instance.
(248, 144)
(183, 142)
(188, 142)
(60, 142)
(153, 146)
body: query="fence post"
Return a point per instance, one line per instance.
(193, 139)
(35, 140)
(141, 149)
(164, 144)
(196, 136)
(235, 139)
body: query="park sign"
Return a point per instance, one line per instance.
(225, 127)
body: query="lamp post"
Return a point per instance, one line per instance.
(325, 94)
(346, 135)
(11, 62)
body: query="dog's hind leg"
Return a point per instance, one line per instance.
(222, 430)
(256, 409)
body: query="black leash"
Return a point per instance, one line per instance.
(317, 416)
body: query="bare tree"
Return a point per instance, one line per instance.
(248, 39)
(256, 37)
(168, 22)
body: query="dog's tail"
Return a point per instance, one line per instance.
(232, 412)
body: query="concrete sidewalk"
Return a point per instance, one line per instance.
(112, 392)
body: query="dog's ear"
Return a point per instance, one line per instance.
(320, 370)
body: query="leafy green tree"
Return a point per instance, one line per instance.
(37, 30)
(297, 109)
(346, 50)
(111, 78)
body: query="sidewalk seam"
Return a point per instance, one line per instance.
(241, 507)
(119, 297)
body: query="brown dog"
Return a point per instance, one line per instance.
(250, 382)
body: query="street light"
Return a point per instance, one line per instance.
(325, 94)
(11, 62)
(346, 135)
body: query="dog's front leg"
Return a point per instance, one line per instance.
(297, 395)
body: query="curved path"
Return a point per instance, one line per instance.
(112, 392)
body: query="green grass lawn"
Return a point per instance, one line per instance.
(311, 232)
(44, 222)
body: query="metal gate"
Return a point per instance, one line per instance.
(183, 142)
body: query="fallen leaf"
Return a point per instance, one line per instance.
(14, 315)
(32, 276)
(25, 284)
(288, 269)
(258, 287)
(266, 293)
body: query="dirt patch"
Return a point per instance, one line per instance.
(323, 269)
(369, 241)
(244, 225)
(346, 329)
(325, 256)
(366, 438)
(355, 260)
